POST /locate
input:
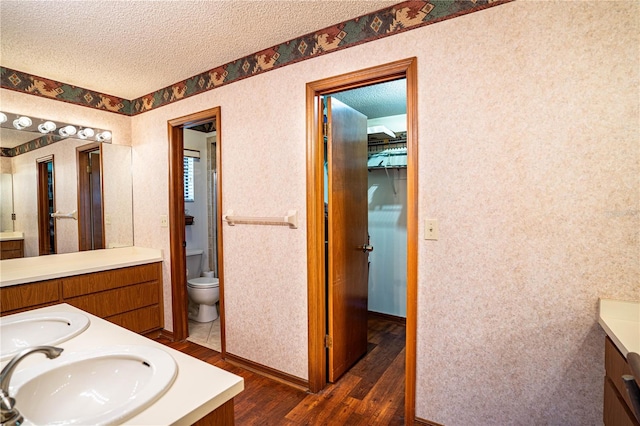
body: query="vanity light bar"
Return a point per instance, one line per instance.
(67, 131)
(23, 122)
(46, 127)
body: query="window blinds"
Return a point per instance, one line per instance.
(188, 179)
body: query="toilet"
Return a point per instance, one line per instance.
(203, 291)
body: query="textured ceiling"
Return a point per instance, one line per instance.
(379, 100)
(131, 48)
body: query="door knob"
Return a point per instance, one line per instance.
(366, 248)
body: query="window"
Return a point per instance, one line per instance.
(188, 179)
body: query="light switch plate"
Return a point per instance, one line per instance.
(430, 229)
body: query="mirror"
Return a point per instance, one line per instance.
(21, 150)
(6, 201)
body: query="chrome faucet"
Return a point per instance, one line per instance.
(9, 415)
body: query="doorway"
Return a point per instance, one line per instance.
(46, 206)
(317, 274)
(201, 233)
(178, 218)
(369, 184)
(90, 206)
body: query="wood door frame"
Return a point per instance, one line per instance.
(316, 294)
(179, 297)
(82, 156)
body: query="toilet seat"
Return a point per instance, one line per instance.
(203, 282)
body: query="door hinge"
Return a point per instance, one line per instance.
(328, 341)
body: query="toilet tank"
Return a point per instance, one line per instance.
(194, 263)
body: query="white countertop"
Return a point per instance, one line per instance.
(199, 387)
(11, 236)
(621, 321)
(39, 268)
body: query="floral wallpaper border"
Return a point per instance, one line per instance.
(402, 17)
(38, 142)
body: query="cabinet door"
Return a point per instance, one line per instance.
(617, 405)
(616, 412)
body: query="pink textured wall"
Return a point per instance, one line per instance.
(529, 157)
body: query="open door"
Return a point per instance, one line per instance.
(347, 286)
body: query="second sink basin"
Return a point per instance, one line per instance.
(28, 329)
(102, 386)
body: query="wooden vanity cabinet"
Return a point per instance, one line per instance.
(617, 406)
(130, 297)
(11, 249)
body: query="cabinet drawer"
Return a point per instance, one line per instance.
(112, 302)
(10, 245)
(11, 254)
(615, 365)
(140, 320)
(99, 281)
(11, 249)
(616, 411)
(29, 295)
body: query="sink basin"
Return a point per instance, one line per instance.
(101, 386)
(27, 329)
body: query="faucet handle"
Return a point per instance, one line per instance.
(9, 416)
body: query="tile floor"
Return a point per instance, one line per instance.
(205, 334)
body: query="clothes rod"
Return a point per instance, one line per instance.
(290, 219)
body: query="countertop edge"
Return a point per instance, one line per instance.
(11, 236)
(614, 338)
(126, 257)
(211, 405)
(11, 239)
(619, 319)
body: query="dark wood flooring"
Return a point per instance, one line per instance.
(372, 392)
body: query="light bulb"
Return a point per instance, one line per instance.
(67, 131)
(47, 126)
(22, 122)
(104, 136)
(3, 117)
(86, 133)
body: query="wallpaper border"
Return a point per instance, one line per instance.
(402, 17)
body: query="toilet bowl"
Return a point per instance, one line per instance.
(204, 292)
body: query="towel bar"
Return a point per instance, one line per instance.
(291, 219)
(72, 215)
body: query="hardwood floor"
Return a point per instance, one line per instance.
(372, 392)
